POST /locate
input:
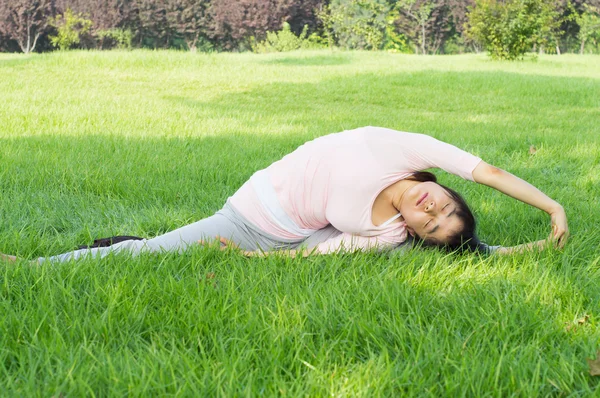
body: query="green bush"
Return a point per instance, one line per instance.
(508, 29)
(455, 45)
(69, 28)
(286, 40)
(121, 37)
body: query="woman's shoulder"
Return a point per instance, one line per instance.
(386, 133)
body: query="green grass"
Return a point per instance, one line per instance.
(97, 144)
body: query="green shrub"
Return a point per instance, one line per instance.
(455, 45)
(508, 29)
(121, 37)
(69, 28)
(286, 40)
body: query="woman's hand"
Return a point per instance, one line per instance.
(560, 229)
(227, 244)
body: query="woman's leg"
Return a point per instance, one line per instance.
(178, 240)
(226, 223)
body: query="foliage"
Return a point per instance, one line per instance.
(425, 26)
(188, 19)
(25, 21)
(286, 40)
(358, 24)
(569, 11)
(325, 16)
(455, 45)
(153, 26)
(69, 28)
(104, 14)
(234, 22)
(111, 19)
(508, 29)
(394, 41)
(428, 25)
(419, 12)
(589, 25)
(122, 38)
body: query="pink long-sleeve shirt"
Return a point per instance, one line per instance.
(335, 179)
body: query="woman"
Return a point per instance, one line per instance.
(365, 183)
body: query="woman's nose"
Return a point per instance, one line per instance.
(429, 206)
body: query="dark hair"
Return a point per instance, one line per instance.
(463, 240)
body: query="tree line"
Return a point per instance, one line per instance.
(505, 28)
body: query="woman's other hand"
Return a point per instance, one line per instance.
(560, 228)
(227, 244)
(224, 243)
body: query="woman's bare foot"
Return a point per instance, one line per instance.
(6, 257)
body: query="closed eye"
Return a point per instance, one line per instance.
(437, 226)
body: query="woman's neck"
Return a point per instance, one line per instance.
(397, 192)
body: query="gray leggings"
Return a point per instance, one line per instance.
(226, 223)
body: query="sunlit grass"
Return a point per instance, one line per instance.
(97, 144)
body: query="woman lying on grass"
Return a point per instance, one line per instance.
(356, 190)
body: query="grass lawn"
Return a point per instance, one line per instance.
(95, 144)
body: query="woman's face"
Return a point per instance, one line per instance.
(430, 212)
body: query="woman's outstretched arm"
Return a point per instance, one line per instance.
(539, 245)
(521, 190)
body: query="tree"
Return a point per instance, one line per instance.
(458, 11)
(509, 28)
(25, 21)
(189, 20)
(69, 28)
(589, 25)
(357, 24)
(420, 12)
(234, 23)
(112, 20)
(153, 29)
(285, 40)
(4, 42)
(431, 24)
